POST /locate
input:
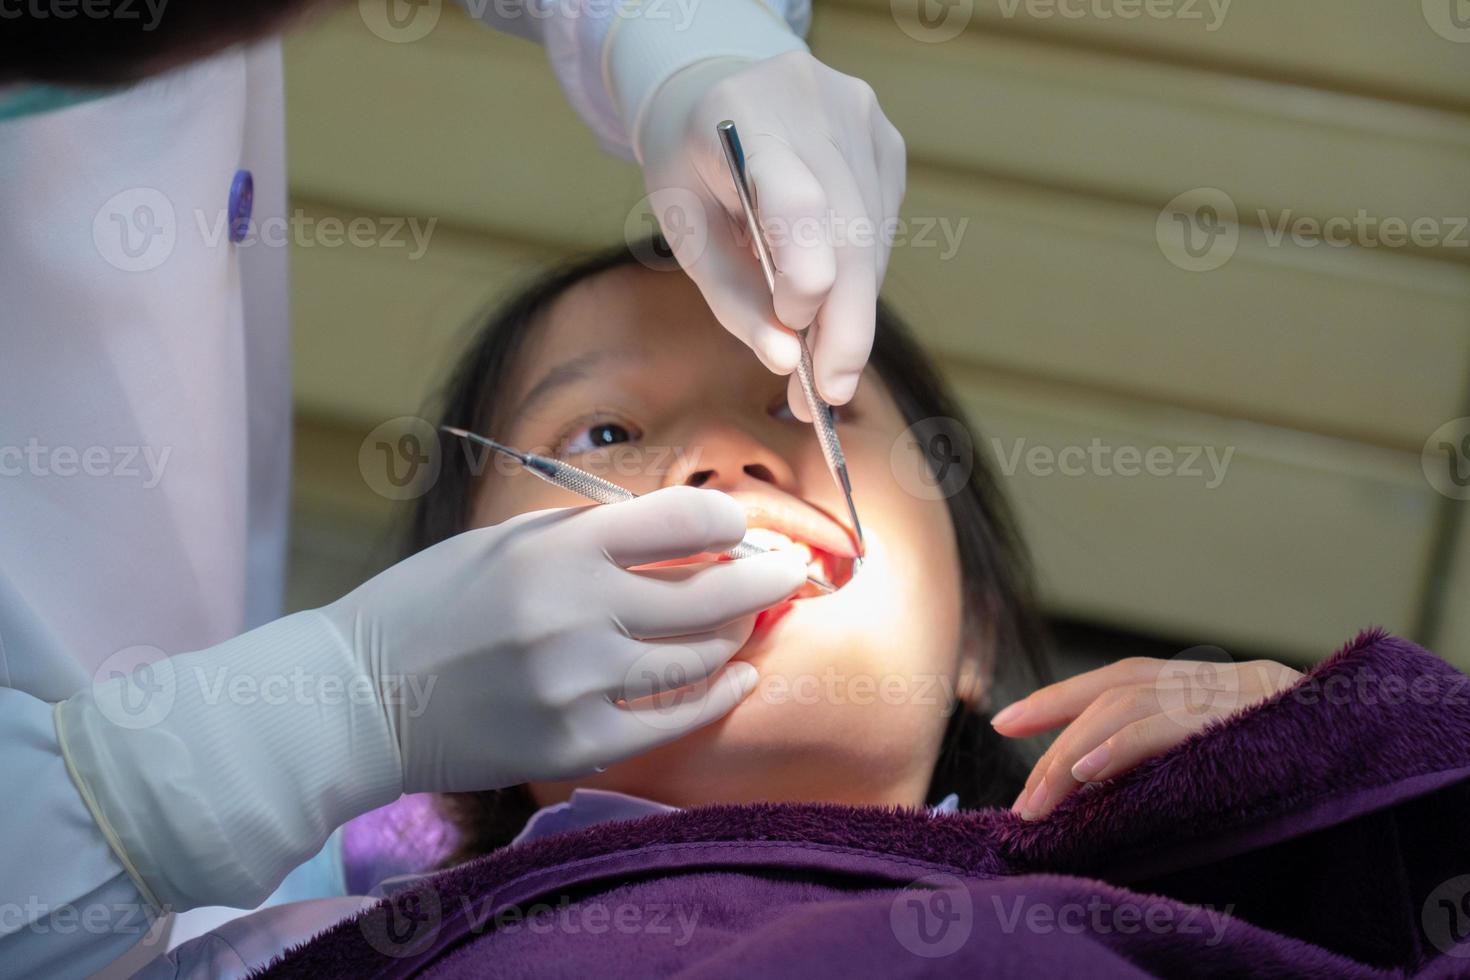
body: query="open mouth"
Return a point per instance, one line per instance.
(787, 524)
(784, 523)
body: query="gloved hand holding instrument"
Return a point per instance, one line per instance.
(495, 657)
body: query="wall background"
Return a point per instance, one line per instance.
(1061, 158)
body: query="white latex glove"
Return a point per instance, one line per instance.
(492, 658)
(534, 627)
(828, 171)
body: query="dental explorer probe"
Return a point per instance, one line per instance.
(821, 412)
(594, 487)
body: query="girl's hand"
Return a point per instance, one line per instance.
(1119, 715)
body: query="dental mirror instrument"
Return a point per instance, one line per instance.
(821, 412)
(593, 487)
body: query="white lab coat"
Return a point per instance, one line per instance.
(145, 432)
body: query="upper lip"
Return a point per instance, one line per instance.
(796, 519)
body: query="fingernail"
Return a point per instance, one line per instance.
(1091, 764)
(1016, 804)
(1008, 714)
(782, 352)
(745, 676)
(1031, 809)
(838, 389)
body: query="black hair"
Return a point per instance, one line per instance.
(125, 45)
(975, 762)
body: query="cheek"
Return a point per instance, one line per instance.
(502, 496)
(921, 559)
(899, 620)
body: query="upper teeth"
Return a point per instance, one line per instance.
(775, 541)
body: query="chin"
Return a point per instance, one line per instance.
(821, 724)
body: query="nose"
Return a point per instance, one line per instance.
(725, 457)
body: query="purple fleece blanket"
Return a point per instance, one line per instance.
(1323, 833)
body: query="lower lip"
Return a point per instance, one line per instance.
(765, 622)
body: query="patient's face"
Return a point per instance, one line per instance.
(855, 686)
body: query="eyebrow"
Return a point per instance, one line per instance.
(579, 368)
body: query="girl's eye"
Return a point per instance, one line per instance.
(597, 436)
